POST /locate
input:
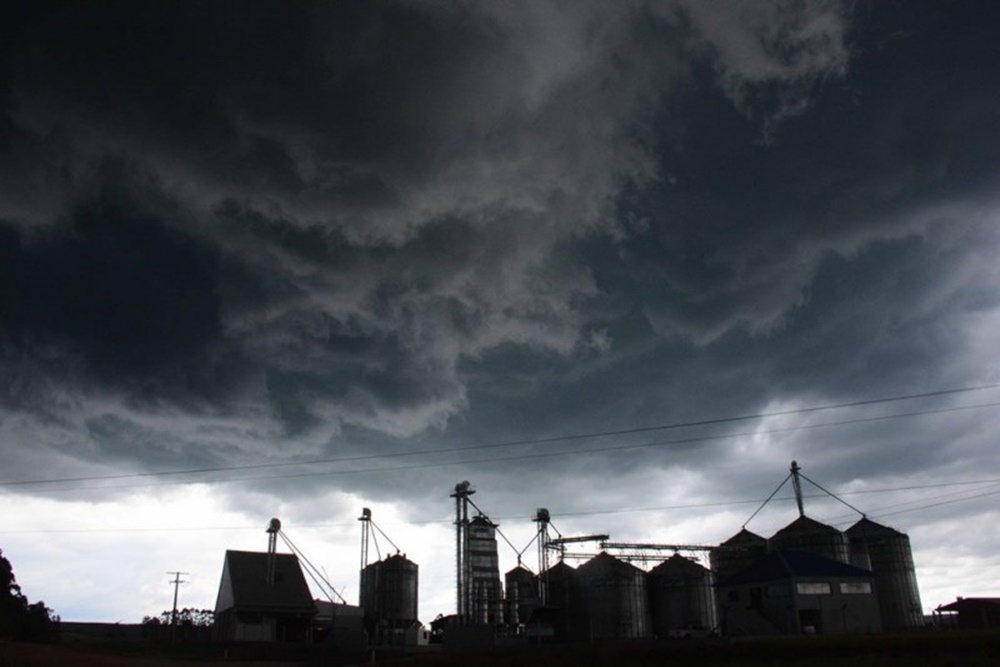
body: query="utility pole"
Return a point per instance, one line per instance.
(176, 581)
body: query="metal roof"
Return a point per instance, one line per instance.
(866, 529)
(520, 572)
(244, 572)
(745, 538)
(678, 564)
(805, 526)
(606, 564)
(787, 564)
(970, 603)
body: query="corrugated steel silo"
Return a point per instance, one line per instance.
(805, 534)
(521, 589)
(680, 596)
(891, 560)
(613, 599)
(563, 595)
(389, 592)
(737, 553)
(561, 579)
(486, 592)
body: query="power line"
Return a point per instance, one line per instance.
(921, 503)
(939, 504)
(501, 459)
(618, 510)
(536, 441)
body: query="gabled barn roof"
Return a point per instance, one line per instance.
(244, 584)
(787, 564)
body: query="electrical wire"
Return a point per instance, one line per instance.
(504, 459)
(536, 441)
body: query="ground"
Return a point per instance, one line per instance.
(952, 649)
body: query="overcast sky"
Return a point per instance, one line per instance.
(328, 253)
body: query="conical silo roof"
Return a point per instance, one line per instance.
(398, 561)
(805, 526)
(805, 534)
(737, 552)
(678, 565)
(519, 573)
(866, 529)
(562, 569)
(605, 564)
(745, 538)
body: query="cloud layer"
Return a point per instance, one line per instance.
(252, 234)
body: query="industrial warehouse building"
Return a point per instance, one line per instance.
(797, 592)
(881, 552)
(971, 613)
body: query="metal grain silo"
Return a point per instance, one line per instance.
(805, 534)
(737, 553)
(563, 600)
(680, 596)
(891, 561)
(389, 592)
(521, 589)
(485, 592)
(613, 599)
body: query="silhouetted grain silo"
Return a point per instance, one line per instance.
(612, 598)
(521, 589)
(890, 559)
(484, 581)
(389, 595)
(680, 596)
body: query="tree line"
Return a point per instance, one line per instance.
(21, 620)
(186, 616)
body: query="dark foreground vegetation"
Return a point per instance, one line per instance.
(944, 649)
(21, 620)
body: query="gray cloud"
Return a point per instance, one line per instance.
(257, 233)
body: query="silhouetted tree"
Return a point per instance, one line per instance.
(20, 620)
(186, 616)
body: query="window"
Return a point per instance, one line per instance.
(855, 587)
(813, 588)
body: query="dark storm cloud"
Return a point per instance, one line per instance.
(735, 237)
(129, 292)
(367, 227)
